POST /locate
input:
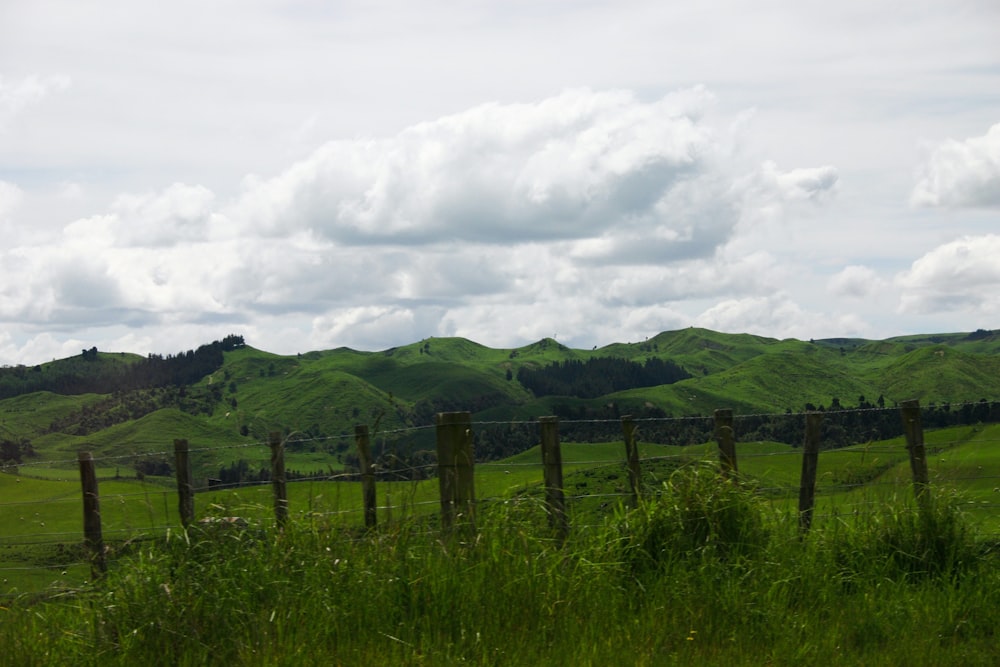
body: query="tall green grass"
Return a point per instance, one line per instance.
(702, 572)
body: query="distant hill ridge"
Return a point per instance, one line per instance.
(231, 393)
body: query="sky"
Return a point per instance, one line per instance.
(368, 174)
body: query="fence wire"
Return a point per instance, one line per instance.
(399, 480)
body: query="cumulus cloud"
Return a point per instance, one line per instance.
(179, 213)
(755, 313)
(375, 327)
(563, 168)
(768, 194)
(777, 315)
(961, 173)
(581, 213)
(961, 275)
(624, 181)
(803, 184)
(39, 348)
(855, 282)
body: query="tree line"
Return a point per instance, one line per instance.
(598, 376)
(13, 451)
(123, 406)
(92, 373)
(843, 425)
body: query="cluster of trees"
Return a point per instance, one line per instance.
(980, 334)
(90, 374)
(598, 376)
(842, 425)
(946, 414)
(848, 425)
(153, 466)
(498, 441)
(181, 369)
(414, 457)
(240, 473)
(14, 451)
(123, 406)
(425, 409)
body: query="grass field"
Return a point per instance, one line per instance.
(701, 572)
(705, 572)
(42, 505)
(324, 394)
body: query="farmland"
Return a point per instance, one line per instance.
(633, 585)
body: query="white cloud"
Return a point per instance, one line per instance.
(855, 282)
(779, 316)
(605, 213)
(799, 184)
(40, 348)
(962, 275)
(375, 327)
(769, 194)
(563, 168)
(180, 213)
(584, 212)
(961, 173)
(776, 312)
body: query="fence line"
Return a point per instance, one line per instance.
(458, 499)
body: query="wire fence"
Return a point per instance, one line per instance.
(40, 516)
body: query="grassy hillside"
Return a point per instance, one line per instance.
(323, 394)
(29, 415)
(939, 373)
(261, 592)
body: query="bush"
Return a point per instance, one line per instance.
(906, 542)
(698, 514)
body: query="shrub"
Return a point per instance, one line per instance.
(906, 542)
(697, 514)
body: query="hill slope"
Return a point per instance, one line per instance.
(324, 394)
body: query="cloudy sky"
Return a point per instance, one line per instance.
(314, 174)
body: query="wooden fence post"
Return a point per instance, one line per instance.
(92, 535)
(367, 473)
(555, 496)
(185, 491)
(727, 446)
(455, 471)
(810, 462)
(278, 479)
(913, 428)
(631, 457)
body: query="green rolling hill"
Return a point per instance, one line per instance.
(322, 395)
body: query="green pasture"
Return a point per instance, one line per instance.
(323, 395)
(44, 504)
(29, 415)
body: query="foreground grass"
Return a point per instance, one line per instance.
(705, 573)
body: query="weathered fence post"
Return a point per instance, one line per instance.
(555, 496)
(810, 461)
(724, 436)
(92, 535)
(278, 479)
(913, 428)
(455, 471)
(631, 457)
(367, 473)
(185, 491)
